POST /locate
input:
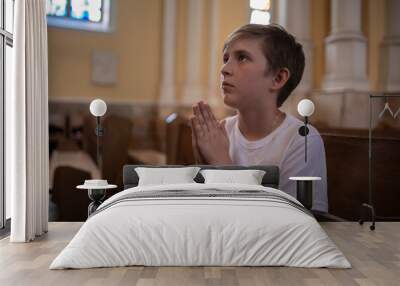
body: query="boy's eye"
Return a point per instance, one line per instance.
(225, 59)
(242, 57)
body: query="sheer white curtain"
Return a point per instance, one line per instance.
(27, 124)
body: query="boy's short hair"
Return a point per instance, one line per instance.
(280, 49)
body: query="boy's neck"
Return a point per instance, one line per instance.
(256, 125)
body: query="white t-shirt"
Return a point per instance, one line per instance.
(284, 147)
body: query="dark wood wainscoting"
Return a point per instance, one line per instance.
(347, 167)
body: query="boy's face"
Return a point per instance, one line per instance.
(244, 80)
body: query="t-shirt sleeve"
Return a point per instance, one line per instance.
(293, 165)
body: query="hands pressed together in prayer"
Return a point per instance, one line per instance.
(209, 138)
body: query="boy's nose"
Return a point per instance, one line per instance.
(226, 70)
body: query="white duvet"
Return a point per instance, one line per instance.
(200, 231)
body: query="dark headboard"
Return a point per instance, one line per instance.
(270, 179)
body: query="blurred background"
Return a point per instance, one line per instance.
(150, 61)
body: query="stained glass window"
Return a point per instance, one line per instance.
(84, 10)
(80, 14)
(57, 8)
(260, 12)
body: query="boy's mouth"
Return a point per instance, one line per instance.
(227, 84)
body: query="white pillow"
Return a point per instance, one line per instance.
(162, 176)
(248, 177)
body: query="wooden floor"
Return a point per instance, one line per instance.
(374, 255)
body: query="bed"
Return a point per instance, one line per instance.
(201, 224)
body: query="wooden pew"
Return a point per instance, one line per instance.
(179, 141)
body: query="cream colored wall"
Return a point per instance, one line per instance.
(136, 43)
(181, 51)
(373, 28)
(374, 13)
(232, 14)
(235, 13)
(320, 26)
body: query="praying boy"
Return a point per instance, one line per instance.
(262, 65)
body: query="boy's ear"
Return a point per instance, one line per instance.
(280, 78)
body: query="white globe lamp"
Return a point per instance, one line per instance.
(98, 108)
(305, 108)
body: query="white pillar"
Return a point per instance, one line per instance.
(391, 48)
(167, 89)
(346, 48)
(214, 91)
(295, 17)
(193, 90)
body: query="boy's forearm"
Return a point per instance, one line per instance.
(200, 160)
(220, 160)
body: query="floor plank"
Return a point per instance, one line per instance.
(374, 255)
